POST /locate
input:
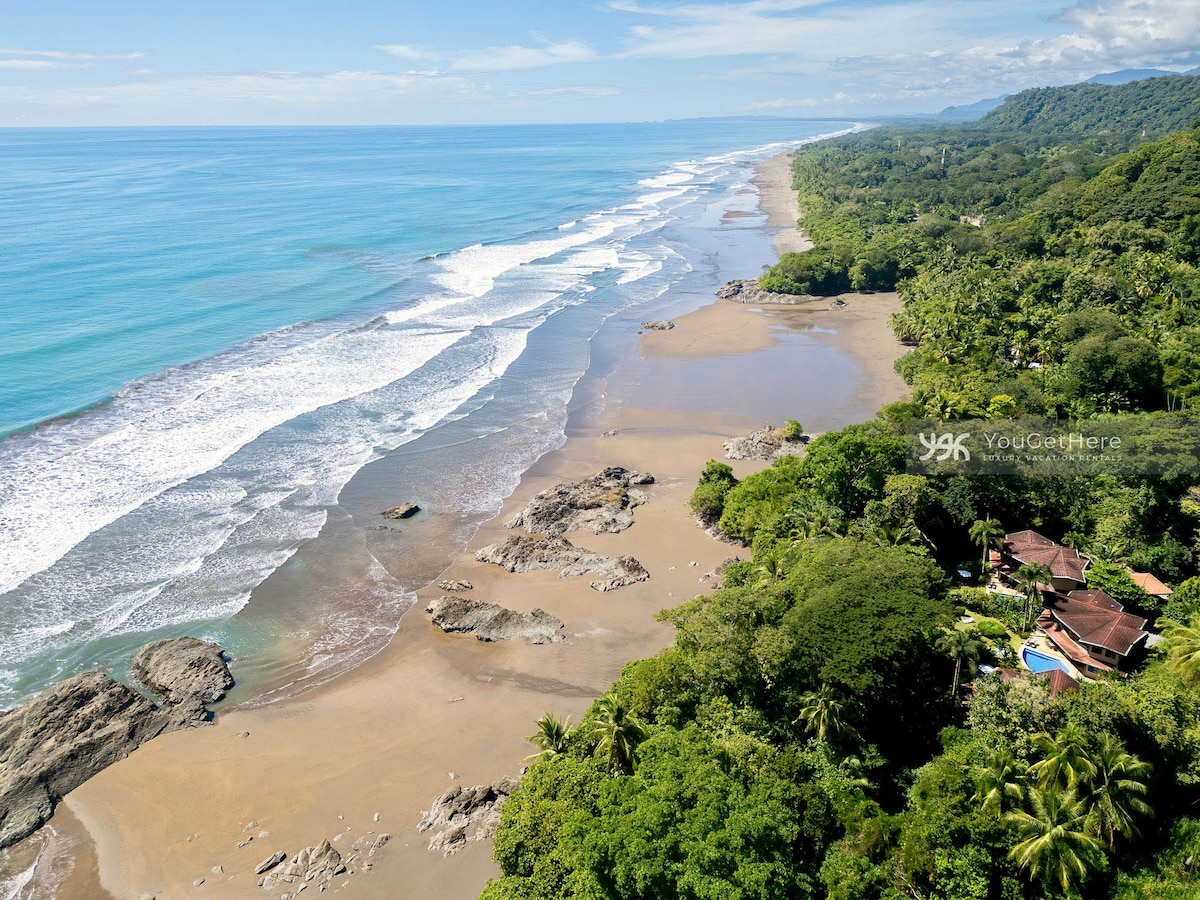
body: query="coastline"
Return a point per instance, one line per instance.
(384, 737)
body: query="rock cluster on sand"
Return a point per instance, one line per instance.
(403, 511)
(490, 622)
(769, 443)
(601, 503)
(68, 733)
(184, 669)
(316, 865)
(664, 325)
(455, 587)
(465, 814)
(746, 290)
(529, 554)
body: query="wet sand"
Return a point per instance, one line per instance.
(385, 737)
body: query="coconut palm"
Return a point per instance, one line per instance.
(1028, 577)
(1182, 646)
(551, 737)
(617, 733)
(821, 713)
(998, 783)
(987, 533)
(1117, 792)
(1055, 845)
(770, 571)
(961, 646)
(1066, 762)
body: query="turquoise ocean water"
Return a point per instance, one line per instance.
(208, 333)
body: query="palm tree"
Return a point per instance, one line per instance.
(986, 532)
(1028, 577)
(998, 783)
(1117, 792)
(768, 572)
(821, 713)
(1066, 763)
(617, 733)
(1056, 845)
(961, 646)
(1182, 646)
(551, 737)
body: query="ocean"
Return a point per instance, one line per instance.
(212, 337)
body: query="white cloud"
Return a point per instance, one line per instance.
(37, 64)
(1143, 31)
(503, 59)
(64, 55)
(405, 51)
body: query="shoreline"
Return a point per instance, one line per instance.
(384, 737)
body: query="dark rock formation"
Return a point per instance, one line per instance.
(60, 739)
(65, 735)
(318, 865)
(746, 290)
(603, 502)
(403, 511)
(183, 669)
(767, 443)
(465, 814)
(527, 554)
(490, 622)
(455, 587)
(664, 325)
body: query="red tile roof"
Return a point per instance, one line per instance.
(1060, 681)
(1150, 584)
(1031, 547)
(1064, 642)
(1096, 619)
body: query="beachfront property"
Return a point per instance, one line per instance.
(1086, 631)
(1067, 568)
(1092, 630)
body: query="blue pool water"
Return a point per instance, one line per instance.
(1040, 662)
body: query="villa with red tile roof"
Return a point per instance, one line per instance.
(1092, 630)
(1066, 565)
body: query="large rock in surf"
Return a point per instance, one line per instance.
(529, 554)
(183, 669)
(603, 502)
(403, 511)
(71, 731)
(465, 814)
(746, 290)
(491, 622)
(60, 739)
(769, 443)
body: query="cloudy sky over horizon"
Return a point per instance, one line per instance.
(149, 62)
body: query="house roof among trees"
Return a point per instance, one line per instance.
(1031, 547)
(1097, 620)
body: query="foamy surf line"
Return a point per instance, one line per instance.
(191, 445)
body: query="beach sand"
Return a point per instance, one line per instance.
(385, 737)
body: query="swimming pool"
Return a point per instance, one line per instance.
(1040, 662)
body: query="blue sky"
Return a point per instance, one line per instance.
(147, 62)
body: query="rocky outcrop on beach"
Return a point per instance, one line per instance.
(183, 670)
(68, 733)
(315, 866)
(663, 325)
(491, 622)
(530, 554)
(768, 443)
(60, 739)
(455, 587)
(603, 502)
(465, 814)
(746, 290)
(403, 511)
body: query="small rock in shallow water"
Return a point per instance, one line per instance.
(404, 511)
(376, 817)
(198, 882)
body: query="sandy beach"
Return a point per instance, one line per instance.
(369, 751)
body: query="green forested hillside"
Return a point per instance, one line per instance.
(806, 736)
(1150, 108)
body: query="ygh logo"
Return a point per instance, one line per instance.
(946, 446)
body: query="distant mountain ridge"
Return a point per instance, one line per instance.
(1146, 109)
(1124, 76)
